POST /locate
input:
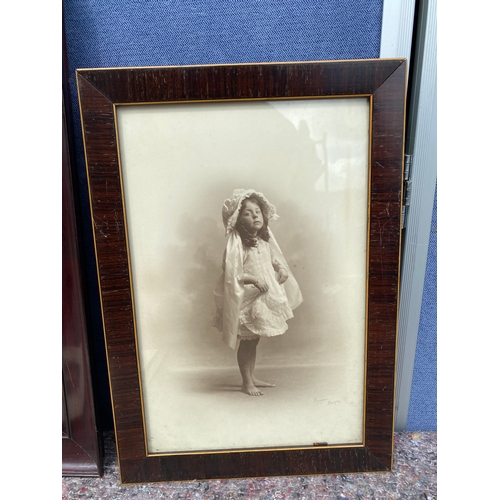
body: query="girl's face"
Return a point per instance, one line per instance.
(251, 217)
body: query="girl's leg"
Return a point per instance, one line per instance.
(257, 382)
(247, 352)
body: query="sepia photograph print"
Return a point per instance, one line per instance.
(247, 232)
(247, 227)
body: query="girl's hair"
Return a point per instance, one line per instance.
(248, 239)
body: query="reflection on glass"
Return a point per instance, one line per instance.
(310, 157)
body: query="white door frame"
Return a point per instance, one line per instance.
(399, 19)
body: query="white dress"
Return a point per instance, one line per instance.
(262, 314)
(243, 312)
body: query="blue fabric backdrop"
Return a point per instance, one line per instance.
(422, 414)
(111, 33)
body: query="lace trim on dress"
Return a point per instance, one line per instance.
(262, 321)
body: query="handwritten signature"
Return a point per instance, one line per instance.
(327, 401)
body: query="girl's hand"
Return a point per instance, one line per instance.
(262, 286)
(282, 275)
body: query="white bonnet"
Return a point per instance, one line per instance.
(231, 207)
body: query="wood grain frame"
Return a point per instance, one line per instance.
(384, 82)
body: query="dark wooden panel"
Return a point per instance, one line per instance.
(81, 447)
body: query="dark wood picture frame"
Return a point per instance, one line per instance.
(383, 82)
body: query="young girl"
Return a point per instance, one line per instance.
(256, 292)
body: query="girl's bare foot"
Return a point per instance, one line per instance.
(251, 390)
(261, 383)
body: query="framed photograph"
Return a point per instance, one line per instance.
(247, 226)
